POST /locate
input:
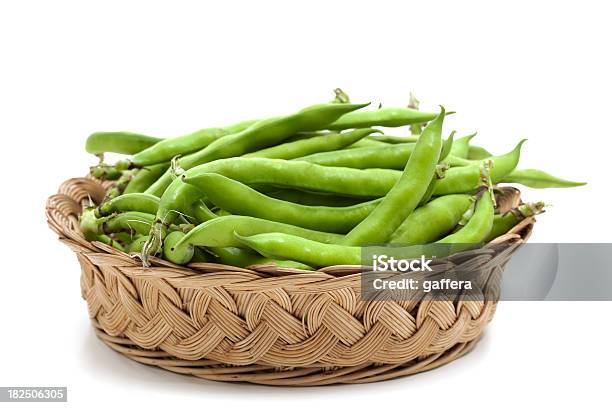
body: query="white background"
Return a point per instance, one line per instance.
(539, 70)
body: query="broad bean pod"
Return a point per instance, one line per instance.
(284, 246)
(538, 179)
(239, 257)
(406, 194)
(387, 117)
(324, 143)
(478, 153)
(465, 179)
(391, 139)
(119, 142)
(219, 232)
(479, 225)
(140, 202)
(310, 198)
(181, 145)
(240, 199)
(433, 220)
(461, 147)
(145, 177)
(382, 157)
(131, 221)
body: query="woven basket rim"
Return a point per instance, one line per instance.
(63, 209)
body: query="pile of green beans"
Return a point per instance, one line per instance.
(306, 189)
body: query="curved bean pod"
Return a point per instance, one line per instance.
(240, 199)
(131, 221)
(202, 213)
(119, 142)
(181, 145)
(478, 153)
(466, 178)
(538, 179)
(309, 198)
(90, 224)
(109, 241)
(370, 183)
(383, 157)
(219, 232)
(366, 142)
(145, 177)
(283, 246)
(480, 223)
(390, 139)
(137, 244)
(387, 117)
(239, 257)
(406, 194)
(325, 143)
(262, 134)
(140, 202)
(431, 221)
(461, 146)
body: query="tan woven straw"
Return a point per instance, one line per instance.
(266, 325)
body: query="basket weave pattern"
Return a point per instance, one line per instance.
(266, 325)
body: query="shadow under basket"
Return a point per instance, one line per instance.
(265, 325)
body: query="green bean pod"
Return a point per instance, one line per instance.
(433, 220)
(366, 142)
(502, 223)
(202, 213)
(284, 246)
(465, 179)
(131, 221)
(406, 194)
(137, 244)
(478, 227)
(309, 198)
(219, 232)
(139, 202)
(239, 257)
(90, 224)
(461, 147)
(381, 157)
(478, 153)
(370, 183)
(109, 241)
(179, 198)
(240, 199)
(181, 145)
(387, 117)
(119, 142)
(391, 139)
(538, 179)
(325, 143)
(262, 134)
(145, 177)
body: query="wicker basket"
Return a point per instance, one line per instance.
(267, 326)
